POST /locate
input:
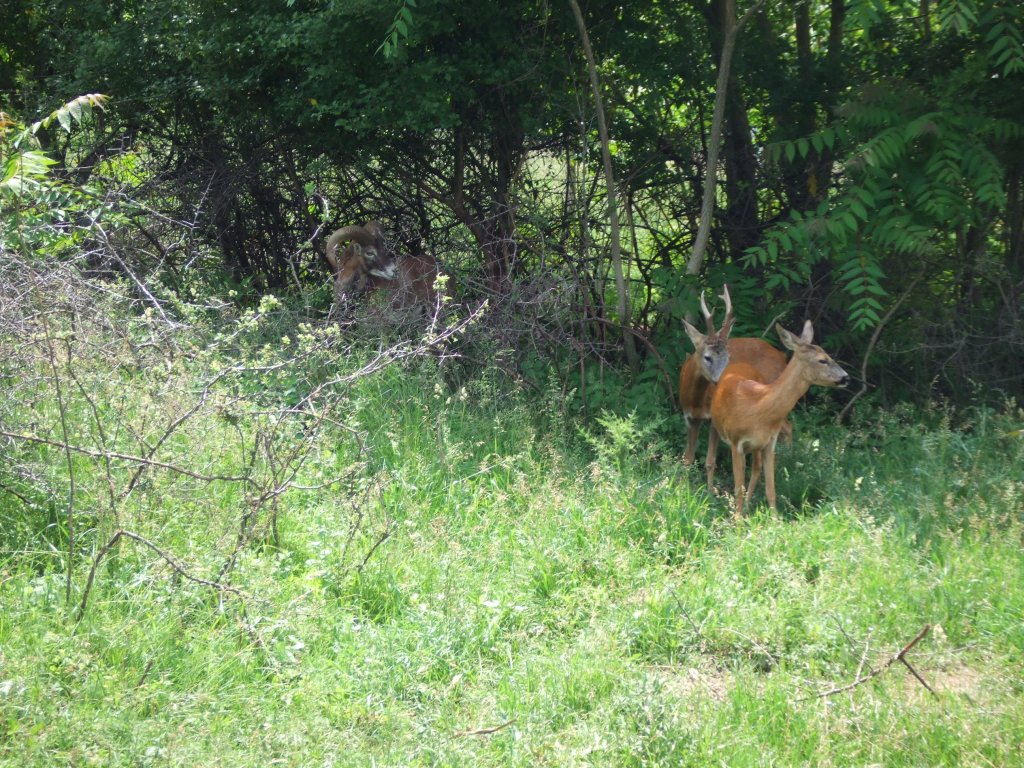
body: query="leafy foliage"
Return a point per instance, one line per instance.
(38, 207)
(923, 170)
(399, 29)
(870, 146)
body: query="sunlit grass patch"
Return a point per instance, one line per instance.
(422, 575)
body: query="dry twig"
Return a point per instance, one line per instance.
(486, 731)
(871, 346)
(107, 455)
(899, 657)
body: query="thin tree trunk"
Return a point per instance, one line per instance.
(731, 28)
(625, 316)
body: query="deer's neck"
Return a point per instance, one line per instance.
(701, 386)
(782, 394)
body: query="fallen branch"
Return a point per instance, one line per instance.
(899, 657)
(919, 678)
(486, 731)
(380, 540)
(864, 657)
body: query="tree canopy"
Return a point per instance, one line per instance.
(869, 174)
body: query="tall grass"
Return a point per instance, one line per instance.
(457, 575)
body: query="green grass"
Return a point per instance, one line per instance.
(532, 594)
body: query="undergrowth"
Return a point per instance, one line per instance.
(402, 570)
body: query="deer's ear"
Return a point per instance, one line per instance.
(695, 336)
(807, 335)
(789, 341)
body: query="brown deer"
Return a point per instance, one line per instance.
(366, 264)
(698, 375)
(749, 413)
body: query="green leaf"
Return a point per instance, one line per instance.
(996, 30)
(754, 256)
(999, 44)
(836, 229)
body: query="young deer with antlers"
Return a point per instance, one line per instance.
(711, 354)
(749, 413)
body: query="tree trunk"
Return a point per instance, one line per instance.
(494, 229)
(625, 316)
(740, 183)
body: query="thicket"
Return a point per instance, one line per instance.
(869, 174)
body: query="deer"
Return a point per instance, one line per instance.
(712, 353)
(749, 412)
(366, 264)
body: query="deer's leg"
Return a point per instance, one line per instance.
(739, 461)
(692, 433)
(755, 473)
(769, 472)
(712, 460)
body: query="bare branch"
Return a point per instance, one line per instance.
(176, 566)
(871, 346)
(125, 457)
(899, 657)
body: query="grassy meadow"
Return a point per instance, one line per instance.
(289, 550)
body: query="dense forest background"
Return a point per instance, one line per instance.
(868, 172)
